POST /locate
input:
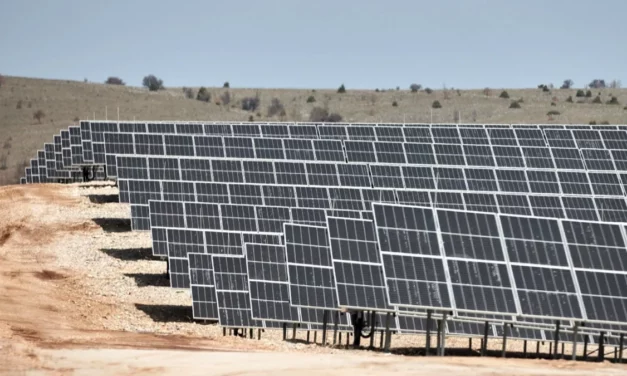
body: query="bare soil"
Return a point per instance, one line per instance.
(78, 297)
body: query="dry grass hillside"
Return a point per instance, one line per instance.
(63, 101)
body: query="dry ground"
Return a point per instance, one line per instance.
(63, 101)
(80, 294)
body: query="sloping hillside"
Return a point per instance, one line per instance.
(63, 101)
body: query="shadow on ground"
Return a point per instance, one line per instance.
(169, 313)
(114, 224)
(145, 280)
(104, 199)
(130, 254)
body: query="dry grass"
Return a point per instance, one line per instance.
(64, 101)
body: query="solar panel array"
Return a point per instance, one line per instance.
(296, 223)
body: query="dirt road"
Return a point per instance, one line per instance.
(81, 294)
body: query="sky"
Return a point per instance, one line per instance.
(364, 44)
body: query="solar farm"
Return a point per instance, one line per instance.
(368, 231)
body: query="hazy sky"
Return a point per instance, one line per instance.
(317, 44)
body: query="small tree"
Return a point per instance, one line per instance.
(614, 100)
(569, 99)
(589, 94)
(38, 115)
(597, 84)
(436, 104)
(428, 90)
(597, 100)
(514, 104)
(504, 95)
(152, 83)
(250, 104)
(415, 88)
(114, 81)
(487, 92)
(341, 89)
(275, 108)
(311, 99)
(580, 93)
(567, 84)
(251, 118)
(546, 89)
(615, 84)
(203, 95)
(226, 85)
(394, 104)
(188, 92)
(225, 98)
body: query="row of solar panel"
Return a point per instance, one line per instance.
(294, 173)
(362, 152)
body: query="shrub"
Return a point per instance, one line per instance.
(3, 162)
(250, 103)
(251, 118)
(415, 88)
(514, 104)
(553, 113)
(569, 99)
(188, 92)
(487, 92)
(398, 88)
(152, 83)
(225, 98)
(7, 143)
(589, 94)
(625, 108)
(597, 84)
(1, 80)
(114, 81)
(394, 104)
(580, 93)
(341, 89)
(428, 90)
(319, 114)
(504, 95)
(567, 84)
(311, 99)
(203, 95)
(459, 93)
(436, 104)
(605, 122)
(275, 108)
(30, 104)
(76, 119)
(553, 104)
(614, 100)
(226, 85)
(38, 115)
(597, 100)
(18, 106)
(546, 89)
(593, 122)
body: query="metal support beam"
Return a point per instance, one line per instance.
(294, 330)
(325, 318)
(505, 333)
(525, 348)
(601, 356)
(557, 338)
(373, 317)
(575, 335)
(335, 327)
(621, 347)
(428, 336)
(486, 329)
(538, 349)
(388, 334)
(284, 331)
(470, 343)
(258, 334)
(308, 332)
(586, 338)
(443, 336)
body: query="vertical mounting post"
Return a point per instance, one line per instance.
(325, 317)
(294, 331)
(428, 337)
(373, 317)
(308, 332)
(335, 326)
(538, 349)
(586, 338)
(621, 347)
(443, 335)
(601, 355)
(575, 334)
(557, 338)
(486, 329)
(258, 334)
(284, 331)
(525, 348)
(316, 336)
(438, 342)
(505, 333)
(470, 343)
(388, 334)
(251, 333)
